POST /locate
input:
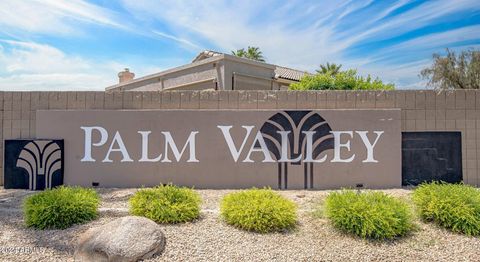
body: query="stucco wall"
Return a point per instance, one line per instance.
(421, 110)
(261, 72)
(190, 75)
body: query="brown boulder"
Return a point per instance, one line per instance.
(128, 238)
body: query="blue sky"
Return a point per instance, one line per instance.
(82, 45)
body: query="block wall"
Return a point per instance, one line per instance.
(422, 110)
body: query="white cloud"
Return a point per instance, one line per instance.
(24, 57)
(230, 26)
(176, 39)
(52, 16)
(438, 40)
(404, 76)
(53, 82)
(298, 34)
(81, 10)
(68, 17)
(423, 15)
(34, 66)
(324, 35)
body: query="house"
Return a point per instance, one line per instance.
(214, 71)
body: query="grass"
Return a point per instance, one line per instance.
(61, 207)
(166, 204)
(258, 210)
(371, 215)
(452, 206)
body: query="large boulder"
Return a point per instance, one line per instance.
(128, 238)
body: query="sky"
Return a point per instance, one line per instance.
(82, 45)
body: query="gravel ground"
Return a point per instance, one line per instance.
(209, 239)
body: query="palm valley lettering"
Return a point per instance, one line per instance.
(175, 151)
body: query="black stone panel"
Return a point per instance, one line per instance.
(33, 160)
(431, 156)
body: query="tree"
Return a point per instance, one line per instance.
(332, 68)
(454, 71)
(240, 53)
(345, 80)
(252, 52)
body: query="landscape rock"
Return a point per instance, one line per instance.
(129, 238)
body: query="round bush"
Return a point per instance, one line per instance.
(166, 204)
(453, 206)
(373, 215)
(61, 207)
(259, 210)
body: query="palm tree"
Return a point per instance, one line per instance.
(252, 52)
(255, 54)
(332, 69)
(239, 52)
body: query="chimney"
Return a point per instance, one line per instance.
(125, 76)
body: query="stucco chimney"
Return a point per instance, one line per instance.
(125, 76)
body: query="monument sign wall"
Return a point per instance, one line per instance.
(228, 148)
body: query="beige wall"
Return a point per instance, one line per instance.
(421, 110)
(246, 82)
(211, 150)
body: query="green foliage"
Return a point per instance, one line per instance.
(332, 69)
(259, 210)
(61, 207)
(345, 80)
(373, 215)
(454, 71)
(166, 204)
(252, 52)
(453, 206)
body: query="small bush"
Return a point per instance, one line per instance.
(259, 210)
(453, 206)
(61, 207)
(373, 215)
(166, 204)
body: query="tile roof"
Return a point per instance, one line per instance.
(288, 73)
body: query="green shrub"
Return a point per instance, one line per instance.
(453, 206)
(61, 207)
(259, 210)
(166, 204)
(373, 215)
(346, 80)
